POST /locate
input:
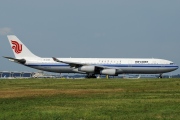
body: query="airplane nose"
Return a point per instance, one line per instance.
(176, 67)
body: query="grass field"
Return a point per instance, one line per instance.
(90, 99)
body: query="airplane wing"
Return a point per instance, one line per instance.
(72, 64)
(67, 62)
(77, 64)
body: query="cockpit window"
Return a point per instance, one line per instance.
(171, 63)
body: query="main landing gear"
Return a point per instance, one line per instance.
(90, 76)
(160, 76)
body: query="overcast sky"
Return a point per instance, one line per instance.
(91, 28)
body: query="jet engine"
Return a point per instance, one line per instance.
(89, 69)
(108, 72)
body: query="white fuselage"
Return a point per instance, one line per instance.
(122, 65)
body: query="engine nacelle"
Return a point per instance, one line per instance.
(108, 72)
(89, 69)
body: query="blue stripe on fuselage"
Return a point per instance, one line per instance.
(108, 65)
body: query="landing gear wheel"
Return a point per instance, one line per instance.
(160, 76)
(91, 76)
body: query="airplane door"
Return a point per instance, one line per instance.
(161, 68)
(155, 69)
(130, 68)
(130, 63)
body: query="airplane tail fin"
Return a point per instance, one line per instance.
(19, 49)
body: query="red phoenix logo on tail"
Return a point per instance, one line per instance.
(16, 46)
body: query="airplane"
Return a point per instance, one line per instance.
(89, 66)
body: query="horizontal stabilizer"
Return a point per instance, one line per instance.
(22, 61)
